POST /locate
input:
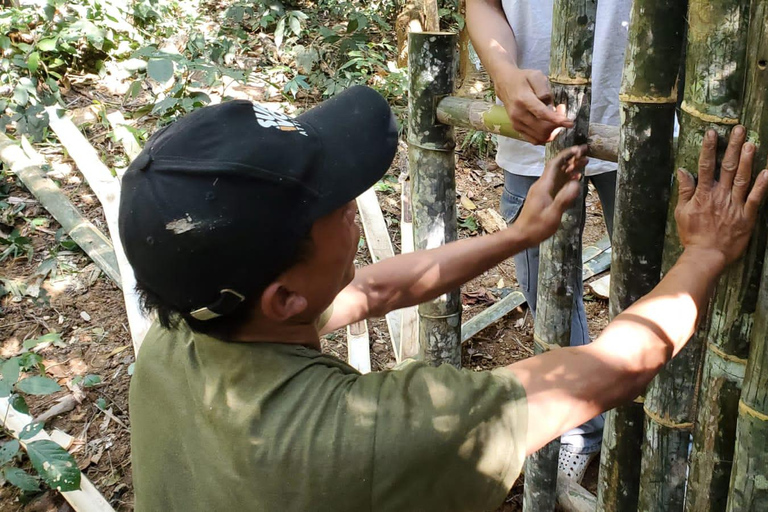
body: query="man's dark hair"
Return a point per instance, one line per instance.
(223, 327)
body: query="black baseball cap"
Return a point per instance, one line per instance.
(220, 200)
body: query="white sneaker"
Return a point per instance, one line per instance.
(574, 465)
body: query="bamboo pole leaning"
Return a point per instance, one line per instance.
(648, 97)
(748, 492)
(431, 165)
(733, 307)
(570, 72)
(713, 98)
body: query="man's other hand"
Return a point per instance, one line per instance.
(528, 100)
(551, 195)
(717, 217)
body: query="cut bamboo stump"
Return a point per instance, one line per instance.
(107, 190)
(603, 140)
(87, 236)
(409, 322)
(647, 98)
(714, 82)
(570, 71)
(88, 498)
(431, 64)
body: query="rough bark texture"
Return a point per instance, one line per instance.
(432, 65)
(713, 98)
(570, 69)
(484, 116)
(749, 476)
(648, 96)
(733, 311)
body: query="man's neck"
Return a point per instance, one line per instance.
(263, 331)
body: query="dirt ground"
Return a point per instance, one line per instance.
(78, 301)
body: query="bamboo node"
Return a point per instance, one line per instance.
(543, 345)
(744, 408)
(567, 80)
(665, 422)
(439, 317)
(660, 100)
(709, 118)
(722, 355)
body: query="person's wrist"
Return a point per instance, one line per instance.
(517, 235)
(706, 258)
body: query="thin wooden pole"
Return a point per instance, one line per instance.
(750, 459)
(714, 79)
(648, 97)
(481, 115)
(570, 72)
(432, 70)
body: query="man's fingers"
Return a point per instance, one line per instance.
(731, 159)
(757, 194)
(549, 115)
(567, 195)
(744, 174)
(707, 158)
(686, 186)
(559, 170)
(540, 87)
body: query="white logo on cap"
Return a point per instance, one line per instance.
(268, 119)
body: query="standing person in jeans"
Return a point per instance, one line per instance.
(512, 38)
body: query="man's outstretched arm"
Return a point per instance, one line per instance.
(410, 279)
(566, 387)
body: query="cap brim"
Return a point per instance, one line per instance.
(358, 133)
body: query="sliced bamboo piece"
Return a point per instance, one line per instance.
(714, 80)
(570, 71)
(481, 115)
(88, 498)
(409, 321)
(359, 347)
(90, 239)
(107, 190)
(648, 99)
(431, 164)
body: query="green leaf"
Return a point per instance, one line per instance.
(131, 368)
(279, 32)
(91, 380)
(10, 370)
(30, 360)
(54, 464)
(20, 97)
(162, 106)
(160, 70)
(21, 479)
(18, 403)
(6, 387)
(46, 45)
(8, 451)
(101, 404)
(51, 337)
(31, 430)
(295, 25)
(33, 62)
(38, 386)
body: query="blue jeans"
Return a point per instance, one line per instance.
(587, 437)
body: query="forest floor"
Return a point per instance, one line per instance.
(73, 298)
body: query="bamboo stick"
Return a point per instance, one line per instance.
(648, 97)
(107, 190)
(359, 347)
(713, 98)
(750, 461)
(432, 66)
(570, 71)
(409, 321)
(90, 239)
(481, 115)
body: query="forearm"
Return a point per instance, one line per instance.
(413, 278)
(566, 387)
(492, 37)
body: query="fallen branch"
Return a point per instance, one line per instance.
(63, 405)
(95, 244)
(88, 498)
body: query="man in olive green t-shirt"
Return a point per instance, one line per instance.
(240, 226)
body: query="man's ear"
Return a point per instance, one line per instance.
(278, 303)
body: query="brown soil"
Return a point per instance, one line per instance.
(87, 309)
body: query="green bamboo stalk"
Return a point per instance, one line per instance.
(648, 98)
(748, 489)
(481, 115)
(432, 71)
(570, 72)
(713, 98)
(732, 314)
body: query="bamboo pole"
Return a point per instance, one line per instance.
(481, 115)
(733, 309)
(432, 70)
(90, 239)
(713, 92)
(409, 320)
(570, 71)
(748, 491)
(648, 97)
